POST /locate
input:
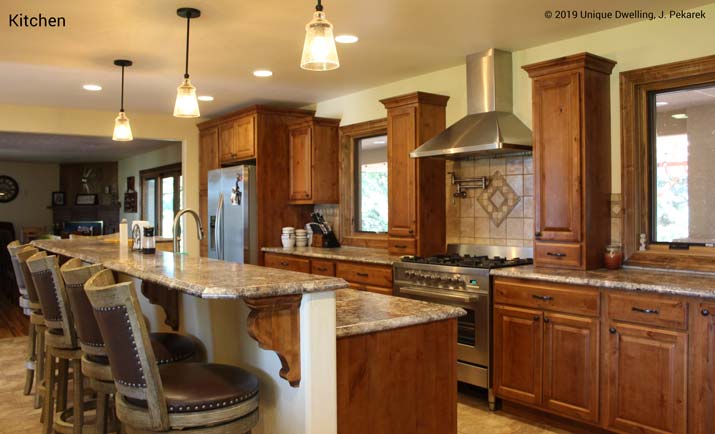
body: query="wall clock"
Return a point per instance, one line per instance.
(8, 189)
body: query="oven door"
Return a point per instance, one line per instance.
(472, 329)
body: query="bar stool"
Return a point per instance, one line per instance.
(188, 397)
(30, 305)
(62, 345)
(168, 347)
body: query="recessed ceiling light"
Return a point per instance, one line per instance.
(679, 116)
(262, 73)
(92, 87)
(205, 98)
(661, 103)
(346, 39)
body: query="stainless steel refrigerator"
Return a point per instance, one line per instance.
(233, 231)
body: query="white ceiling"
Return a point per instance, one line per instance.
(56, 148)
(399, 39)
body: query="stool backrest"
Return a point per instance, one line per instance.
(13, 248)
(22, 257)
(129, 349)
(53, 297)
(75, 273)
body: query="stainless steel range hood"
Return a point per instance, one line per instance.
(490, 128)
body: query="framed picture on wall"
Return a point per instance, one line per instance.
(58, 198)
(86, 199)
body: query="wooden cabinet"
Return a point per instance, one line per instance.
(287, 262)
(702, 365)
(646, 377)
(237, 139)
(324, 268)
(314, 165)
(572, 160)
(416, 215)
(208, 160)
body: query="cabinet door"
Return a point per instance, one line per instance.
(401, 133)
(703, 371)
(227, 142)
(208, 155)
(518, 354)
(245, 144)
(571, 366)
(301, 163)
(557, 158)
(646, 380)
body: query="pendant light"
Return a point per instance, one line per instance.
(122, 129)
(319, 52)
(187, 106)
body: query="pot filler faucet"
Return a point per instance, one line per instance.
(175, 229)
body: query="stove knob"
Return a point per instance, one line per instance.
(409, 273)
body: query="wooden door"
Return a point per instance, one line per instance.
(227, 142)
(518, 336)
(557, 157)
(571, 366)
(646, 376)
(301, 163)
(402, 135)
(702, 375)
(208, 155)
(246, 138)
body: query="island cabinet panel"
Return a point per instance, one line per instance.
(518, 345)
(286, 262)
(571, 362)
(646, 380)
(314, 161)
(702, 365)
(400, 381)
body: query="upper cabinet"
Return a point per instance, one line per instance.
(237, 139)
(416, 194)
(572, 160)
(313, 148)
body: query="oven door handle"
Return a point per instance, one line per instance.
(439, 295)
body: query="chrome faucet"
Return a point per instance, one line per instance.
(177, 218)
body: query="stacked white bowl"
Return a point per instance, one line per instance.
(301, 237)
(288, 237)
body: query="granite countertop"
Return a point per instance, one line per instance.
(346, 253)
(692, 284)
(199, 277)
(361, 312)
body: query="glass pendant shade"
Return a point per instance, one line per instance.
(122, 129)
(187, 105)
(319, 52)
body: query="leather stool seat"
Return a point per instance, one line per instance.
(192, 387)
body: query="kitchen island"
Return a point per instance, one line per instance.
(303, 319)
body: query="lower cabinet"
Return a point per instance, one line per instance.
(702, 393)
(286, 262)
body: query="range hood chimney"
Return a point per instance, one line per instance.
(490, 128)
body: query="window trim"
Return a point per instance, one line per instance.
(349, 135)
(157, 173)
(357, 209)
(635, 89)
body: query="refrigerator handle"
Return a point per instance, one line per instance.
(219, 226)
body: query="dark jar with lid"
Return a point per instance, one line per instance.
(148, 240)
(613, 257)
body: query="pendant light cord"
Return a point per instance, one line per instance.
(186, 69)
(121, 109)
(319, 6)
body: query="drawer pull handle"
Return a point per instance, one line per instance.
(362, 274)
(705, 312)
(321, 269)
(546, 320)
(537, 317)
(556, 254)
(537, 235)
(612, 330)
(400, 246)
(543, 297)
(285, 264)
(648, 311)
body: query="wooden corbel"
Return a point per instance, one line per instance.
(274, 322)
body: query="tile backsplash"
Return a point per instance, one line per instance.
(502, 213)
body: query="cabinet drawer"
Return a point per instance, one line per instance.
(287, 263)
(547, 296)
(365, 274)
(650, 310)
(324, 268)
(557, 254)
(402, 246)
(370, 288)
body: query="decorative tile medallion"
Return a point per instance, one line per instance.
(498, 199)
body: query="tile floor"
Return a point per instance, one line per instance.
(18, 417)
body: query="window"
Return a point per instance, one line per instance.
(371, 184)
(668, 151)
(162, 196)
(682, 150)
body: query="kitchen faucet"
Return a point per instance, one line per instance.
(174, 230)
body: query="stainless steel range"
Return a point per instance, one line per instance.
(461, 278)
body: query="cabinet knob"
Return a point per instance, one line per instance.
(537, 234)
(612, 330)
(546, 320)
(705, 312)
(537, 317)
(285, 264)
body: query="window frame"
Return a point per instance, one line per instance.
(157, 173)
(356, 192)
(636, 88)
(349, 137)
